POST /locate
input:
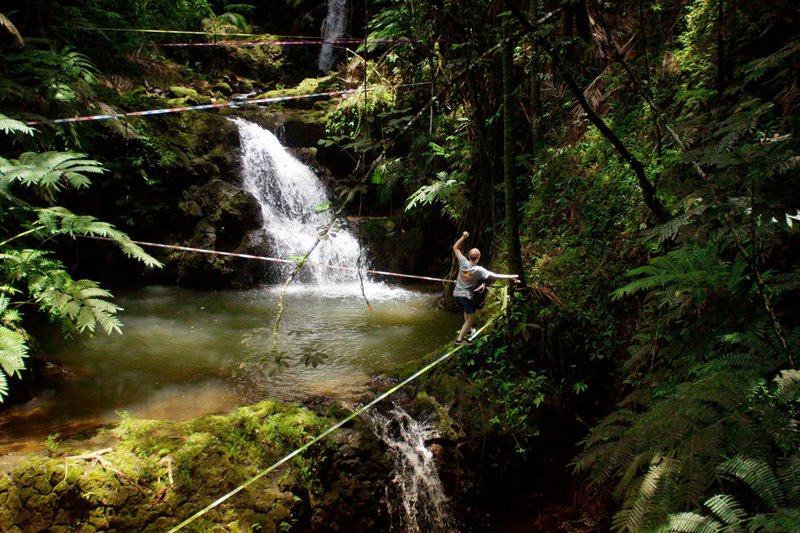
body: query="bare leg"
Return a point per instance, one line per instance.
(469, 319)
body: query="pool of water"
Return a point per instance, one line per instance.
(186, 353)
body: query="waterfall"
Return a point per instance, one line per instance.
(290, 194)
(332, 29)
(423, 503)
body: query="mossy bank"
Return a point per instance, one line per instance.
(150, 475)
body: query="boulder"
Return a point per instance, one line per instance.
(229, 219)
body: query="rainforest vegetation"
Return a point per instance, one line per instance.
(635, 162)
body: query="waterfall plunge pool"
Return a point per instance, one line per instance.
(186, 353)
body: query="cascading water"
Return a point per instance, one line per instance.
(290, 194)
(423, 502)
(332, 29)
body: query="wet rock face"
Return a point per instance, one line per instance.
(229, 219)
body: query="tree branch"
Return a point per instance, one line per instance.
(648, 191)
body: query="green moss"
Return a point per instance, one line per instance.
(184, 92)
(209, 456)
(307, 86)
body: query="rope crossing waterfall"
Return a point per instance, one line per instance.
(265, 159)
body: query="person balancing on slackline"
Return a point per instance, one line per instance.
(470, 277)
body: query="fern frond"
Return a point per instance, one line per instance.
(60, 221)
(788, 471)
(756, 474)
(670, 229)
(730, 361)
(66, 300)
(781, 520)
(9, 125)
(788, 385)
(726, 509)
(13, 351)
(49, 171)
(690, 523)
(633, 519)
(689, 268)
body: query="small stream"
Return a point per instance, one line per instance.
(187, 353)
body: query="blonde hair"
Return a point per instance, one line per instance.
(474, 255)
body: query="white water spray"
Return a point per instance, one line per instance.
(423, 502)
(332, 29)
(290, 195)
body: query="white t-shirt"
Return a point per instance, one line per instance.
(469, 277)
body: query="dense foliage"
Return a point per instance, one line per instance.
(657, 138)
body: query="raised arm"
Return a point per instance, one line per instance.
(458, 243)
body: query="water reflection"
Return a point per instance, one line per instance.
(182, 354)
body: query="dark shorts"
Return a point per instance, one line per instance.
(467, 304)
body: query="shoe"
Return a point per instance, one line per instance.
(472, 334)
(466, 342)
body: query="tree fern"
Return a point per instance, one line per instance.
(32, 274)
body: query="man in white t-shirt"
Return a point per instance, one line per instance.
(470, 277)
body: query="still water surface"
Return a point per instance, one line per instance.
(186, 353)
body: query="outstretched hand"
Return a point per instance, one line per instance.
(465, 235)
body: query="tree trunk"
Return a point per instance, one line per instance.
(536, 88)
(509, 173)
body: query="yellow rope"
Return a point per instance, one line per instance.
(336, 426)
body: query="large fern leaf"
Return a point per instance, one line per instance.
(13, 351)
(61, 221)
(692, 269)
(691, 523)
(727, 510)
(9, 125)
(78, 305)
(49, 172)
(758, 475)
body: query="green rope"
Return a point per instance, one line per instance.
(333, 428)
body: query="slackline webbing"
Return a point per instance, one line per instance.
(331, 429)
(234, 103)
(295, 43)
(189, 32)
(272, 259)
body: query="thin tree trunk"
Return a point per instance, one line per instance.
(509, 173)
(536, 87)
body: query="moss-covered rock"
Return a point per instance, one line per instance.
(160, 473)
